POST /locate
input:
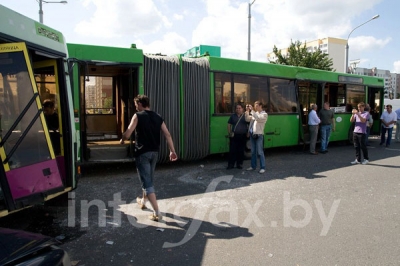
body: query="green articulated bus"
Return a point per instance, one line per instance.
(196, 96)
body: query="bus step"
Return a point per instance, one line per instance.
(108, 153)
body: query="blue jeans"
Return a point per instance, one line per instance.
(257, 149)
(325, 134)
(145, 165)
(389, 137)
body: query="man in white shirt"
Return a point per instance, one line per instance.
(313, 122)
(388, 119)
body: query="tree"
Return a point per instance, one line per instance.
(298, 55)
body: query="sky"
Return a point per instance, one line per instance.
(174, 26)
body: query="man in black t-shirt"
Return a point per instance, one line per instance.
(147, 126)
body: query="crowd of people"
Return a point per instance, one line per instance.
(321, 123)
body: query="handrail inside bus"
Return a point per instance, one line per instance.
(19, 118)
(15, 147)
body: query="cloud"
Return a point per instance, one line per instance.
(275, 23)
(361, 45)
(159, 25)
(367, 43)
(171, 43)
(224, 25)
(117, 18)
(178, 17)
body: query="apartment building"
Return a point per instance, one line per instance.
(396, 84)
(334, 47)
(391, 79)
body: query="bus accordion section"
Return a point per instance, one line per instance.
(179, 89)
(38, 159)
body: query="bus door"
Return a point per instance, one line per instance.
(374, 98)
(309, 93)
(29, 170)
(107, 100)
(46, 76)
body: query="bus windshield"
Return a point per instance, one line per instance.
(21, 130)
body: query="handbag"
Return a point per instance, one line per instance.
(232, 134)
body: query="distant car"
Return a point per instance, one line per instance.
(23, 248)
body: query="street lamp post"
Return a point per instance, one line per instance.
(47, 2)
(346, 67)
(248, 47)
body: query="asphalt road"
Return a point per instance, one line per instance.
(305, 210)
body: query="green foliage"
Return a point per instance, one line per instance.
(298, 55)
(107, 103)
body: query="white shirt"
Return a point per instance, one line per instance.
(398, 114)
(313, 119)
(387, 118)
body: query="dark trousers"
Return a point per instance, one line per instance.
(236, 149)
(359, 145)
(367, 136)
(383, 135)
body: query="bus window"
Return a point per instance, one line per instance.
(16, 95)
(355, 95)
(248, 89)
(335, 95)
(100, 118)
(283, 96)
(47, 87)
(98, 97)
(257, 89)
(223, 88)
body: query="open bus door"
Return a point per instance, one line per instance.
(107, 92)
(46, 76)
(29, 171)
(309, 93)
(374, 98)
